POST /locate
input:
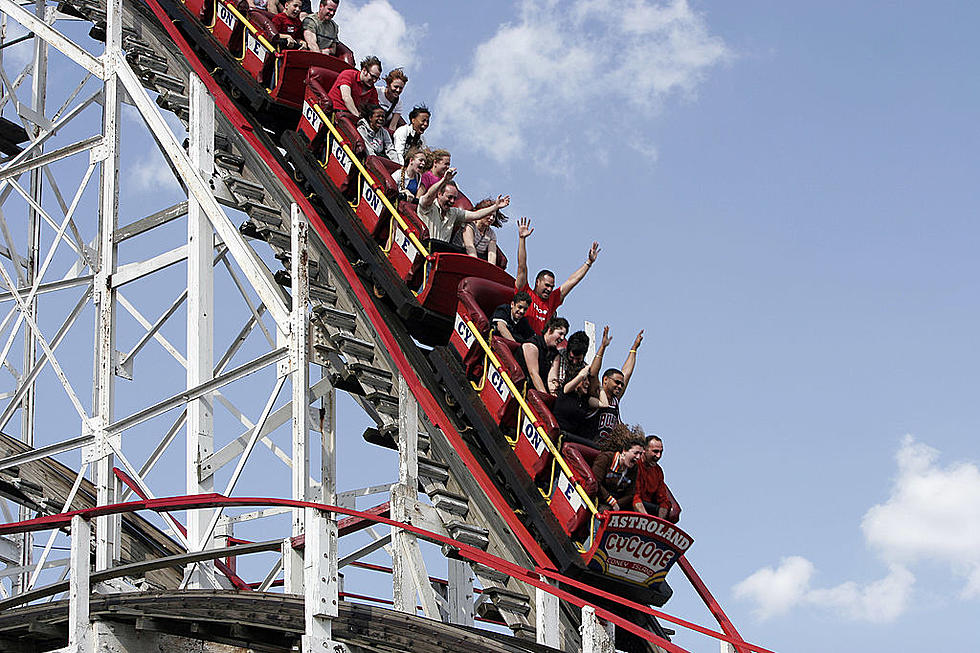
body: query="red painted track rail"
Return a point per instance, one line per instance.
(534, 577)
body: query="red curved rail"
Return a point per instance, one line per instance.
(471, 553)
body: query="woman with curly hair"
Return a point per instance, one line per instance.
(614, 468)
(478, 238)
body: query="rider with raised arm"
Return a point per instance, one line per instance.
(437, 211)
(575, 403)
(545, 297)
(611, 391)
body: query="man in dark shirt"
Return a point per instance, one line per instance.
(509, 319)
(611, 392)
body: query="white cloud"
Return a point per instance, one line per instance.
(932, 514)
(15, 57)
(377, 28)
(151, 173)
(777, 590)
(565, 64)
(881, 601)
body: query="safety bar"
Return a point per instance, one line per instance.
(530, 415)
(237, 14)
(371, 182)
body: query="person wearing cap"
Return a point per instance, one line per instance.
(478, 238)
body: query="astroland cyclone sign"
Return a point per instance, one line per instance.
(637, 548)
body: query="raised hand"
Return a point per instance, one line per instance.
(594, 252)
(450, 174)
(639, 340)
(524, 228)
(606, 338)
(503, 201)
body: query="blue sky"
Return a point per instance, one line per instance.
(785, 196)
(786, 199)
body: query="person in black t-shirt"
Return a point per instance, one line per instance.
(535, 356)
(573, 407)
(509, 320)
(568, 362)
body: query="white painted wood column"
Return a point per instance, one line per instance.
(408, 482)
(79, 588)
(546, 618)
(595, 637)
(106, 535)
(460, 592)
(200, 325)
(322, 595)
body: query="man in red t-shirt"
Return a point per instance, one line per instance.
(651, 491)
(545, 298)
(354, 89)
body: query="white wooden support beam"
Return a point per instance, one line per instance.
(257, 273)
(299, 361)
(595, 637)
(60, 42)
(409, 574)
(460, 592)
(321, 576)
(298, 367)
(79, 587)
(407, 487)
(546, 618)
(39, 79)
(105, 297)
(328, 446)
(200, 322)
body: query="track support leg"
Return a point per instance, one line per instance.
(298, 367)
(79, 587)
(200, 327)
(408, 568)
(460, 592)
(546, 618)
(321, 583)
(595, 637)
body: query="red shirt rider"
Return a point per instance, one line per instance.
(541, 310)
